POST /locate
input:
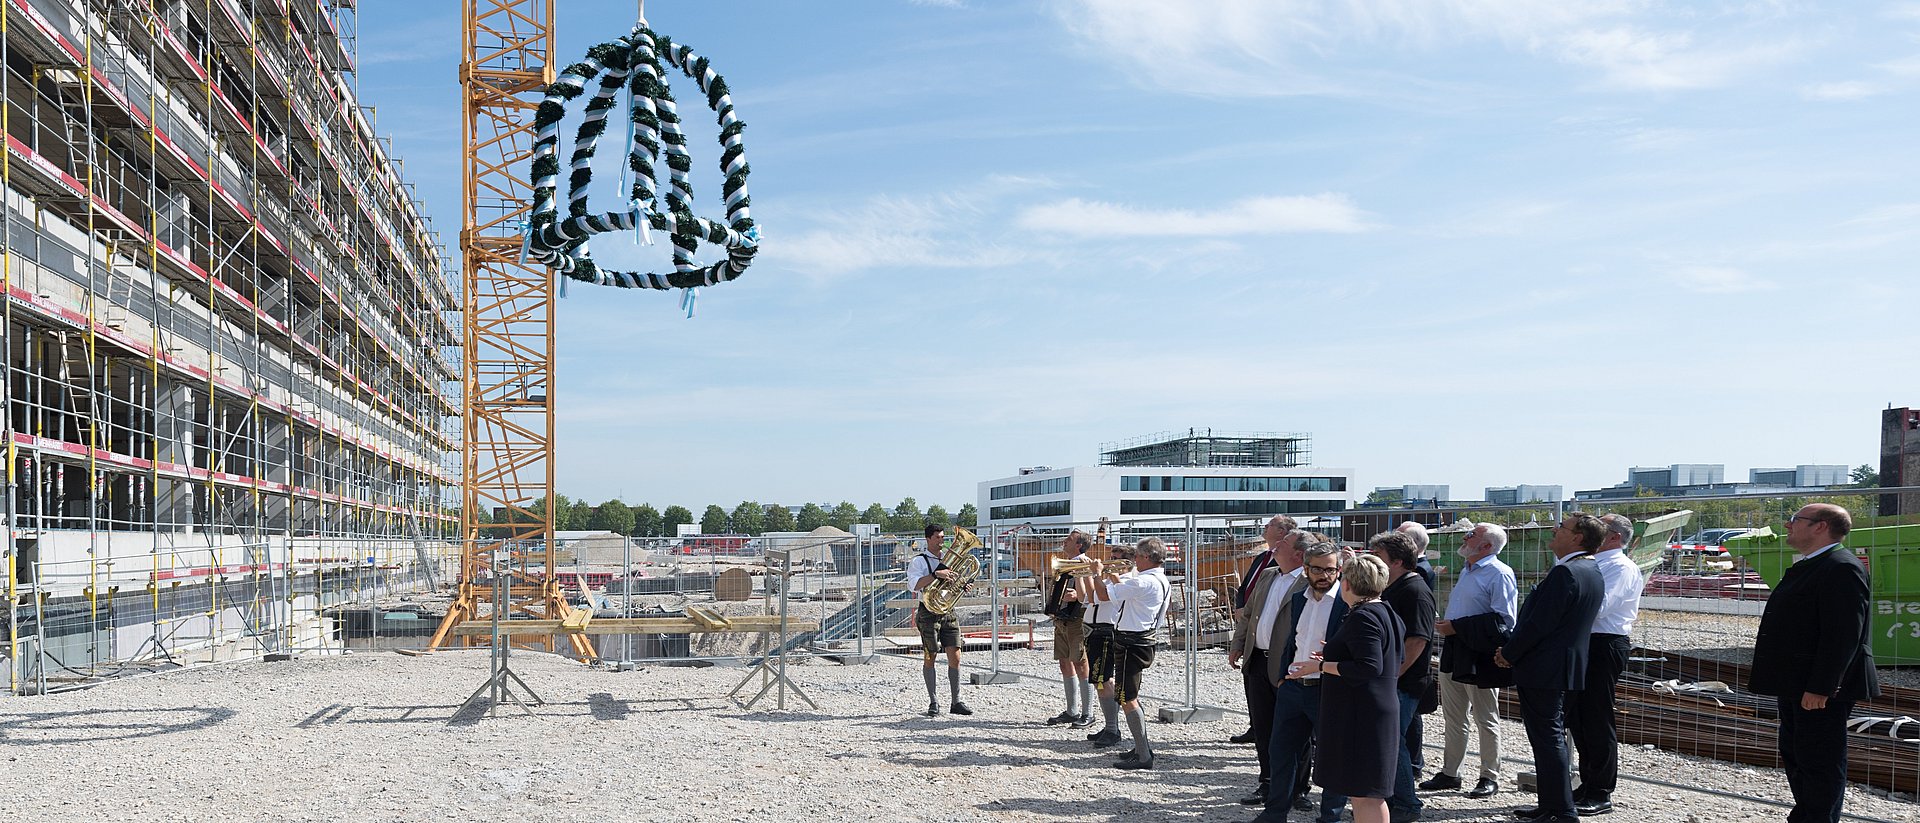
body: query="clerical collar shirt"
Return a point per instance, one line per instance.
(1277, 586)
(1620, 605)
(1486, 586)
(1310, 632)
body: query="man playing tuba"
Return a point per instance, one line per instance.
(937, 631)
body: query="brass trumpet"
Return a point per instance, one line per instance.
(1084, 568)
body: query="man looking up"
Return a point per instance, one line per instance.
(1486, 587)
(1548, 655)
(1590, 720)
(1407, 594)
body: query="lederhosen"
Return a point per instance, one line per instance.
(1100, 651)
(1134, 649)
(937, 631)
(1069, 630)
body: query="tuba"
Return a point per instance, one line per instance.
(940, 596)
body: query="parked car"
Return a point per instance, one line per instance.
(1713, 538)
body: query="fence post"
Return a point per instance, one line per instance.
(993, 674)
(1191, 711)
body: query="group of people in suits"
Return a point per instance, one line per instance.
(1346, 665)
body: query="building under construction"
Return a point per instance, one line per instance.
(230, 340)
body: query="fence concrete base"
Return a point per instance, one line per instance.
(994, 678)
(1197, 714)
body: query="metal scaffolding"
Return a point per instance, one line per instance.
(229, 336)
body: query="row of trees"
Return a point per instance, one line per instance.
(748, 517)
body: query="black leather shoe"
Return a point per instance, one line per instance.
(1439, 782)
(1487, 787)
(1105, 739)
(1527, 812)
(1258, 797)
(1402, 814)
(933, 710)
(1243, 737)
(959, 708)
(1302, 803)
(1099, 734)
(1590, 808)
(1557, 818)
(1083, 721)
(1063, 717)
(1134, 763)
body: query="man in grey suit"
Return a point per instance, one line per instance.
(1266, 609)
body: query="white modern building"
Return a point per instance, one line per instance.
(1806, 474)
(1523, 493)
(1197, 472)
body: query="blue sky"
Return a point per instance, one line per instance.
(1474, 242)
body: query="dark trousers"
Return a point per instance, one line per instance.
(1543, 712)
(1416, 745)
(1296, 710)
(1590, 717)
(1253, 676)
(1813, 746)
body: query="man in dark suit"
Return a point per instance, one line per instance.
(1281, 541)
(1813, 654)
(1314, 613)
(1548, 655)
(1268, 593)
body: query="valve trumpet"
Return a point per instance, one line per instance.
(1084, 568)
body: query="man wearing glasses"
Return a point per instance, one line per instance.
(1814, 656)
(1316, 613)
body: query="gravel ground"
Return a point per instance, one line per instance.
(377, 737)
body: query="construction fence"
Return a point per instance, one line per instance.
(1685, 689)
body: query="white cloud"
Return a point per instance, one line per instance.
(1510, 219)
(1840, 92)
(1261, 47)
(1634, 58)
(934, 231)
(1333, 213)
(1903, 67)
(1718, 280)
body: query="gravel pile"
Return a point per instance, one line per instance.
(378, 737)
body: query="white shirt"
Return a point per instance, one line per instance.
(1277, 586)
(1620, 603)
(1142, 597)
(920, 568)
(1310, 632)
(1822, 550)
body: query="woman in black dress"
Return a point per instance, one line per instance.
(1359, 728)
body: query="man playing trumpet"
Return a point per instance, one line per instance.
(1142, 597)
(1066, 606)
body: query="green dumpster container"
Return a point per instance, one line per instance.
(1892, 554)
